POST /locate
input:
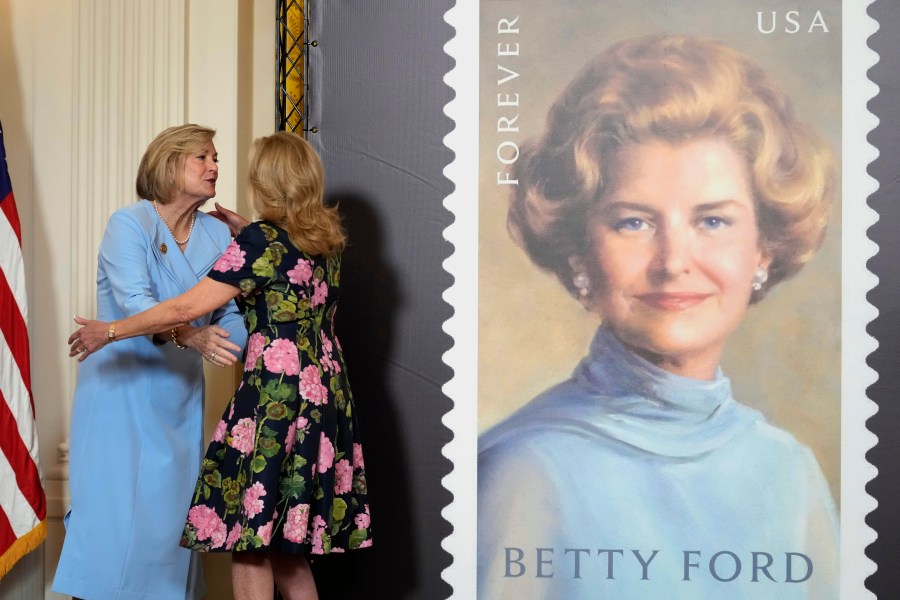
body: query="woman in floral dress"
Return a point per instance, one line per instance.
(284, 474)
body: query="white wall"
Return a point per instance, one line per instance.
(84, 86)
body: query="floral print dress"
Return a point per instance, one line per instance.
(284, 470)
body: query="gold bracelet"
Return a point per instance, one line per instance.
(111, 332)
(175, 341)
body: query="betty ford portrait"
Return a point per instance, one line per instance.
(672, 189)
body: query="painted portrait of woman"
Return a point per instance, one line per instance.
(672, 189)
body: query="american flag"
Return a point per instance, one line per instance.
(23, 507)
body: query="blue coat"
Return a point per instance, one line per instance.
(630, 482)
(137, 421)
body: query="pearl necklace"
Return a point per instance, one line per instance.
(190, 229)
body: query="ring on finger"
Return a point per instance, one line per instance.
(213, 357)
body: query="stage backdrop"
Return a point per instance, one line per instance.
(377, 98)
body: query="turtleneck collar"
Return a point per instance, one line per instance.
(622, 398)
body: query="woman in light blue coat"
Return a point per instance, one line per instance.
(137, 419)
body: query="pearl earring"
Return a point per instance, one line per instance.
(582, 283)
(760, 276)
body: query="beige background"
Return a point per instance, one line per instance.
(785, 359)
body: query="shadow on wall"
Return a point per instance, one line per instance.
(371, 300)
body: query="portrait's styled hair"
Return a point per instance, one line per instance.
(159, 173)
(287, 186)
(670, 88)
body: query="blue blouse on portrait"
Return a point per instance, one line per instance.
(629, 482)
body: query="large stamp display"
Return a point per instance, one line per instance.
(670, 370)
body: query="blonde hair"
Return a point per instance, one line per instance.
(159, 173)
(671, 88)
(287, 187)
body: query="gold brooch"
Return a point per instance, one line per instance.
(163, 248)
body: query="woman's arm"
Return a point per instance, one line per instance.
(207, 295)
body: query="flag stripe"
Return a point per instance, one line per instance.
(19, 457)
(7, 535)
(8, 204)
(18, 507)
(15, 334)
(23, 505)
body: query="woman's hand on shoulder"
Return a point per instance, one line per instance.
(87, 339)
(210, 341)
(234, 221)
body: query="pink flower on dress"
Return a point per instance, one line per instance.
(358, 462)
(219, 433)
(320, 294)
(363, 520)
(343, 476)
(296, 523)
(265, 532)
(311, 387)
(208, 524)
(366, 543)
(291, 437)
(301, 273)
(328, 363)
(233, 536)
(299, 423)
(242, 435)
(253, 503)
(231, 260)
(326, 453)
(281, 357)
(255, 346)
(318, 535)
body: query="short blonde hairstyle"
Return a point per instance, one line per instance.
(287, 188)
(671, 88)
(159, 173)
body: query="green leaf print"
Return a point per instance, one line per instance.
(258, 464)
(189, 536)
(285, 312)
(357, 537)
(299, 461)
(213, 479)
(273, 299)
(263, 266)
(339, 401)
(279, 392)
(247, 285)
(293, 486)
(339, 509)
(270, 232)
(334, 270)
(278, 411)
(250, 319)
(268, 447)
(231, 494)
(246, 540)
